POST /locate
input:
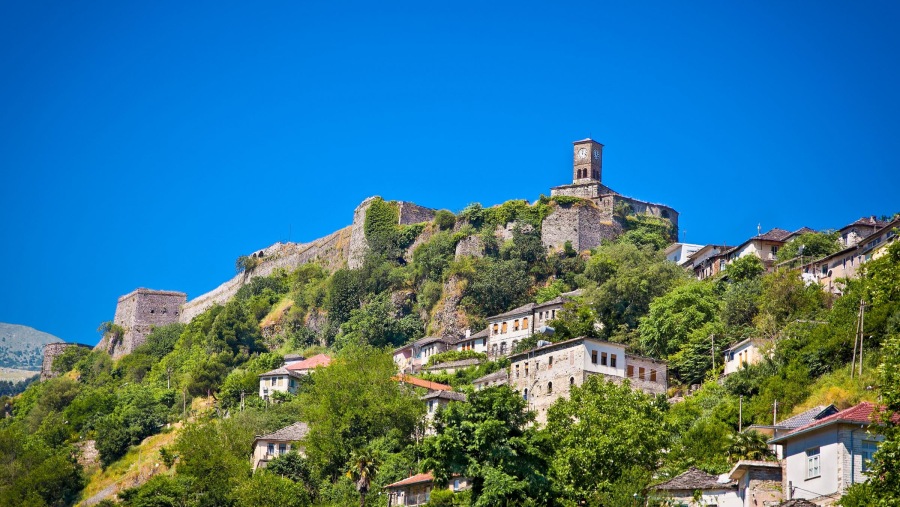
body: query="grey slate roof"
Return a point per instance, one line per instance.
(807, 417)
(484, 333)
(446, 395)
(462, 363)
(515, 311)
(492, 377)
(280, 371)
(694, 478)
(291, 433)
(797, 502)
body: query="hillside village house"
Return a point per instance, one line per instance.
(758, 482)
(742, 354)
(791, 423)
(825, 457)
(306, 366)
(498, 378)
(268, 447)
(507, 329)
(436, 400)
(277, 380)
(411, 357)
(679, 253)
(546, 373)
(416, 490)
(707, 261)
(845, 263)
(851, 234)
(475, 342)
(696, 487)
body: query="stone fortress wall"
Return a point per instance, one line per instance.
(138, 312)
(51, 352)
(584, 224)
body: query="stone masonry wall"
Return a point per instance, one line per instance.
(358, 244)
(414, 214)
(331, 251)
(583, 224)
(138, 312)
(51, 352)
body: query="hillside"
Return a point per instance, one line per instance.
(20, 346)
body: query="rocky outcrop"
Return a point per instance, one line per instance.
(446, 317)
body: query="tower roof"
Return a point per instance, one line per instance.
(588, 140)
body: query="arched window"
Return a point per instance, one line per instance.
(494, 350)
(526, 394)
(503, 348)
(525, 323)
(516, 325)
(549, 387)
(571, 381)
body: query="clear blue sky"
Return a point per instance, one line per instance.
(149, 144)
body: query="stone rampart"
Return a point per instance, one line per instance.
(137, 313)
(331, 251)
(583, 224)
(410, 213)
(407, 213)
(51, 352)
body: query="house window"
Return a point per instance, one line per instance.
(813, 468)
(554, 314)
(455, 484)
(515, 344)
(630, 371)
(525, 323)
(594, 356)
(549, 387)
(494, 350)
(503, 328)
(525, 393)
(612, 360)
(517, 371)
(550, 362)
(571, 381)
(516, 325)
(526, 369)
(868, 449)
(496, 328)
(641, 373)
(282, 449)
(271, 449)
(603, 358)
(503, 349)
(274, 380)
(652, 375)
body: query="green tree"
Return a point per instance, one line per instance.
(497, 286)
(815, 246)
(601, 430)
(490, 440)
(675, 315)
(742, 269)
(267, 489)
(353, 401)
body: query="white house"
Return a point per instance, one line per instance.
(507, 329)
(412, 356)
(742, 354)
(679, 252)
(268, 447)
(277, 380)
(825, 457)
(416, 490)
(475, 342)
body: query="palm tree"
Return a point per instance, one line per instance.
(748, 445)
(363, 466)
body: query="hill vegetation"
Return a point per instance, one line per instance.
(199, 381)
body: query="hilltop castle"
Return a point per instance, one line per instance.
(599, 215)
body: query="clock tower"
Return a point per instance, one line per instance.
(587, 164)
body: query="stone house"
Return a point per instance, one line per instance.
(825, 457)
(411, 357)
(498, 378)
(829, 270)
(544, 374)
(436, 400)
(416, 490)
(277, 380)
(851, 234)
(268, 447)
(758, 482)
(507, 329)
(475, 342)
(452, 366)
(707, 261)
(765, 246)
(696, 488)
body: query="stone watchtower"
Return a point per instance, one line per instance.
(587, 165)
(137, 313)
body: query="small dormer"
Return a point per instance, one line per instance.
(587, 162)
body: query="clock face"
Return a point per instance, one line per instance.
(596, 154)
(582, 153)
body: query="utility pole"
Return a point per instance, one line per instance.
(858, 339)
(741, 413)
(712, 350)
(775, 414)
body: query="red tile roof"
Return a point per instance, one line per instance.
(859, 414)
(418, 382)
(309, 364)
(415, 479)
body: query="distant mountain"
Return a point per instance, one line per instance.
(20, 346)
